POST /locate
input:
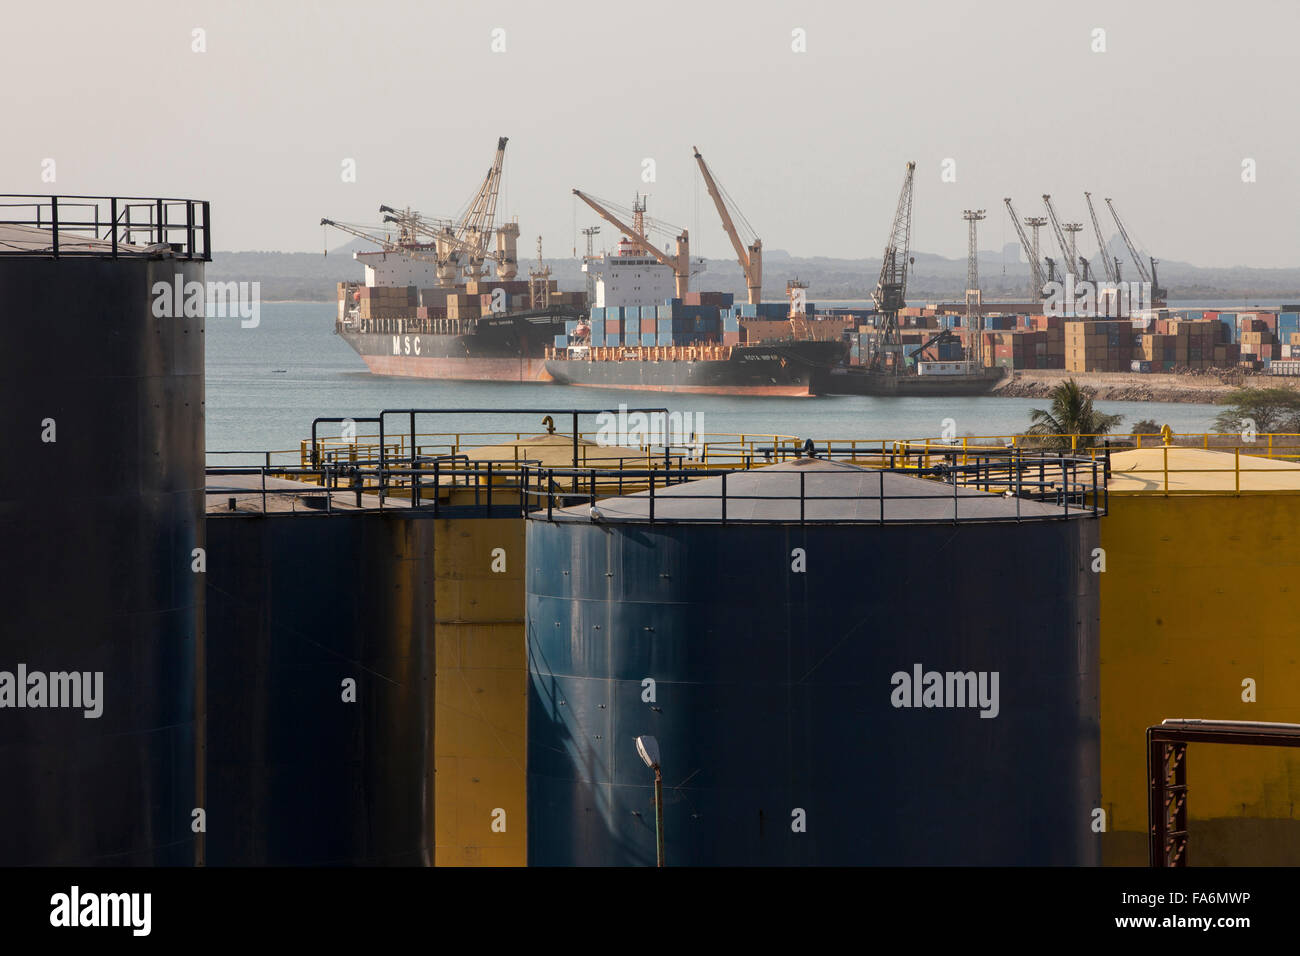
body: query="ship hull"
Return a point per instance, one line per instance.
(852, 381)
(499, 349)
(783, 370)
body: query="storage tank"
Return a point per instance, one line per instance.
(320, 681)
(101, 508)
(827, 684)
(1198, 620)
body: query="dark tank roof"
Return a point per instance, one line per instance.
(832, 491)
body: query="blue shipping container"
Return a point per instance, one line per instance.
(648, 338)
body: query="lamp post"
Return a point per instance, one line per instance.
(648, 748)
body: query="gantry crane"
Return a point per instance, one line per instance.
(1071, 268)
(891, 287)
(679, 262)
(751, 257)
(1158, 295)
(1031, 250)
(1110, 265)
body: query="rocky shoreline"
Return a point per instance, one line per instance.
(1196, 389)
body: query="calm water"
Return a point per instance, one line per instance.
(250, 407)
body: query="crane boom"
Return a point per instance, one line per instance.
(1106, 261)
(891, 287)
(1071, 267)
(1133, 252)
(751, 259)
(411, 252)
(475, 229)
(680, 263)
(1035, 267)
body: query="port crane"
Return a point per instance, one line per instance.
(1108, 263)
(891, 287)
(1031, 249)
(1067, 260)
(1158, 295)
(750, 257)
(679, 262)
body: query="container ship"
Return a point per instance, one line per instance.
(700, 343)
(441, 300)
(457, 335)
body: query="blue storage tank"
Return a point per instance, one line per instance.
(780, 686)
(295, 775)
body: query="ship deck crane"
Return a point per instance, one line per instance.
(460, 247)
(751, 257)
(1067, 260)
(477, 225)
(679, 262)
(405, 247)
(1110, 265)
(1158, 295)
(943, 335)
(891, 287)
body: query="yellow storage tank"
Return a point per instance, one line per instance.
(1198, 620)
(481, 685)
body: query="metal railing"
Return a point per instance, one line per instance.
(450, 485)
(107, 226)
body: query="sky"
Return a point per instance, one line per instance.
(807, 112)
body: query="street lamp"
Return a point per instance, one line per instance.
(648, 748)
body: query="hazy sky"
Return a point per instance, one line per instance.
(811, 144)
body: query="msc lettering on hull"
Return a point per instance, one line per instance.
(406, 345)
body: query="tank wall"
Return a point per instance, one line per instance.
(98, 528)
(1200, 594)
(772, 694)
(297, 605)
(481, 692)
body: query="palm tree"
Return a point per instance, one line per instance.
(1071, 414)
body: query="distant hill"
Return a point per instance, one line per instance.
(1003, 275)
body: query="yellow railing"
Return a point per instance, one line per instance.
(742, 450)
